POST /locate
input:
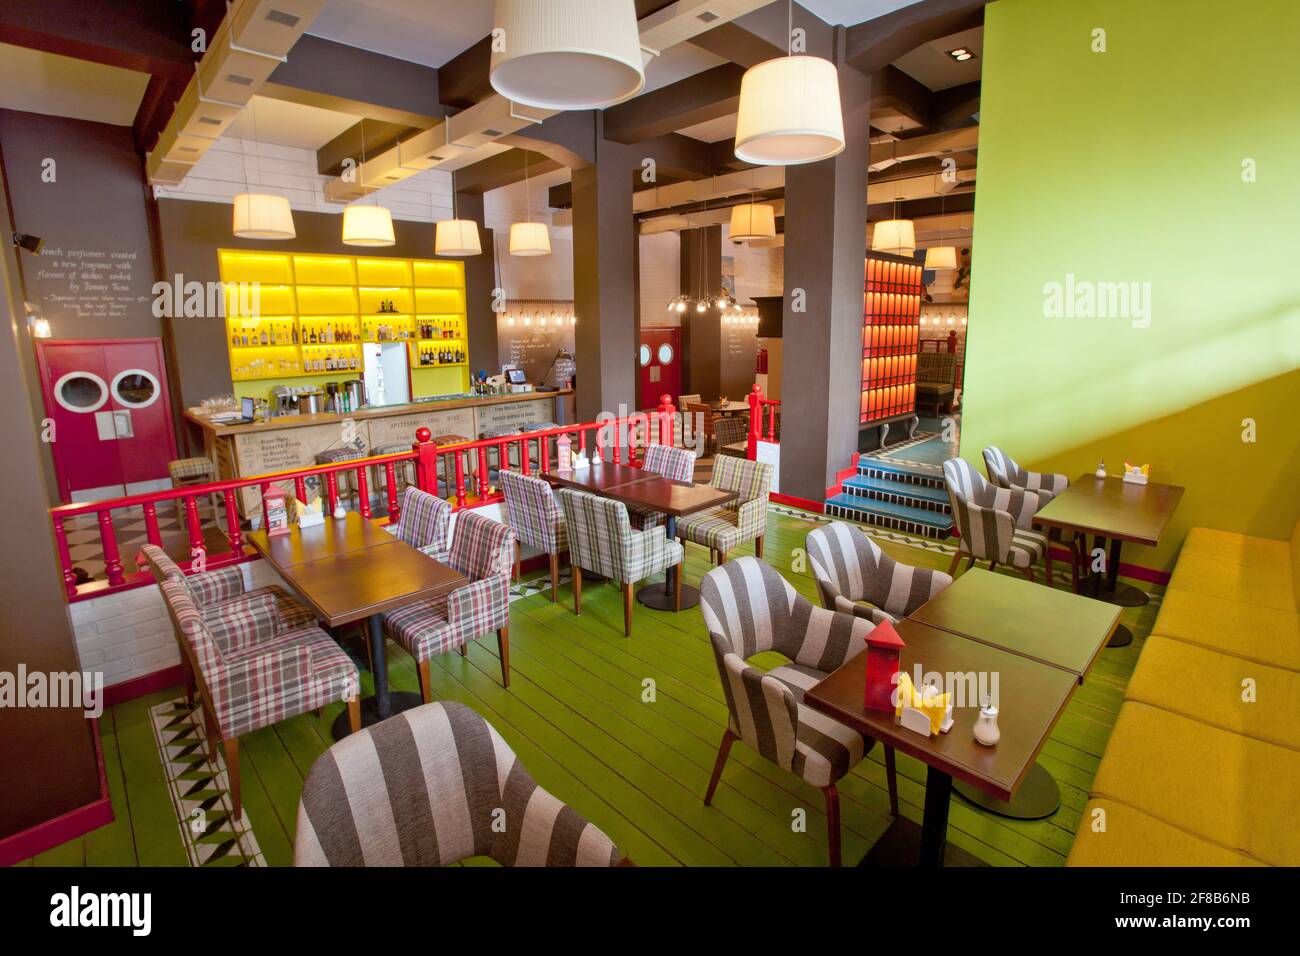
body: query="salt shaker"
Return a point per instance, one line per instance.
(986, 725)
(1101, 469)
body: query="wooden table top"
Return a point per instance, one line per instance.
(650, 491)
(301, 545)
(1048, 625)
(1032, 696)
(728, 408)
(1112, 508)
(348, 574)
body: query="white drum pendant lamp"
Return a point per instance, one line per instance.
(368, 226)
(894, 235)
(566, 54)
(457, 237)
(752, 221)
(789, 112)
(941, 257)
(530, 239)
(262, 216)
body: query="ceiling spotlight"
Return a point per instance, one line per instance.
(962, 54)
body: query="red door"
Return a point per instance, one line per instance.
(112, 415)
(660, 359)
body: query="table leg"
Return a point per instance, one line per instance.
(1115, 591)
(382, 704)
(660, 597)
(934, 823)
(909, 845)
(1098, 583)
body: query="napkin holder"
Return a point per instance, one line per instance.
(1136, 474)
(925, 712)
(580, 460)
(309, 513)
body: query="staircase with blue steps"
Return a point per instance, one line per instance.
(905, 497)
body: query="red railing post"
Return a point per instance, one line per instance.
(108, 541)
(65, 557)
(332, 491)
(544, 453)
(426, 462)
(484, 475)
(525, 455)
(193, 523)
(363, 493)
(460, 478)
(666, 415)
(755, 421)
(300, 489)
(233, 534)
(151, 532)
(771, 421)
(390, 479)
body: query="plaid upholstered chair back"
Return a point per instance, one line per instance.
(531, 509)
(160, 563)
(675, 463)
(1003, 472)
(936, 368)
(749, 479)
(684, 400)
(431, 787)
(425, 522)
(482, 548)
(599, 532)
(732, 429)
(190, 625)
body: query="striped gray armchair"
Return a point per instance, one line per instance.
(994, 524)
(431, 787)
(855, 576)
(602, 541)
(749, 608)
(1005, 473)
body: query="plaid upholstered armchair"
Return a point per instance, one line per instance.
(994, 523)
(482, 550)
(748, 609)
(215, 592)
(602, 541)
(731, 436)
(676, 464)
(424, 523)
(444, 779)
(537, 521)
(254, 671)
(855, 576)
(723, 528)
(1005, 473)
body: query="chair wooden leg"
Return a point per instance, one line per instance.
(518, 560)
(956, 560)
(426, 688)
(1029, 573)
(354, 714)
(1047, 561)
(577, 589)
(891, 778)
(677, 586)
(503, 646)
(555, 577)
(1078, 555)
(833, 822)
(722, 557)
(190, 689)
(210, 726)
(627, 610)
(724, 749)
(758, 546)
(231, 747)
(992, 564)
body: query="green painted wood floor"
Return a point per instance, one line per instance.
(576, 717)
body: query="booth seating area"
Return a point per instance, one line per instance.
(1203, 766)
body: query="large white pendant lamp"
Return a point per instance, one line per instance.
(941, 257)
(789, 112)
(752, 221)
(457, 237)
(530, 239)
(566, 54)
(368, 226)
(262, 216)
(894, 235)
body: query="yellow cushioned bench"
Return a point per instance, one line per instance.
(1195, 773)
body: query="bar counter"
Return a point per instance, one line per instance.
(294, 441)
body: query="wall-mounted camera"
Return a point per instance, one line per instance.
(31, 243)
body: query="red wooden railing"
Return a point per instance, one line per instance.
(757, 406)
(463, 468)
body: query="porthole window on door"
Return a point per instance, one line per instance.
(136, 388)
(665, 354)
(81, 392)
(645, 355)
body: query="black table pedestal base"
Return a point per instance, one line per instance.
(1125, 595)
(901, 846)
(1038, 797)
(398, 701)
(660, 597)
(1122, 637)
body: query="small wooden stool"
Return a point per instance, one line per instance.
(346, 485)
(185, 472)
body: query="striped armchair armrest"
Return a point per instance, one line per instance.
(449, 788)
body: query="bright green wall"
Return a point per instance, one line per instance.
(1127, 166)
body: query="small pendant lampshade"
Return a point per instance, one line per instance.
(941, 257)
(894, 235)
(752, 221)
(368, 226)
(530, 239)
(262, 216)
(457, 237)
(566, 54)
(789, 112)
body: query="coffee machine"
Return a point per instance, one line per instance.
(355, 389)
